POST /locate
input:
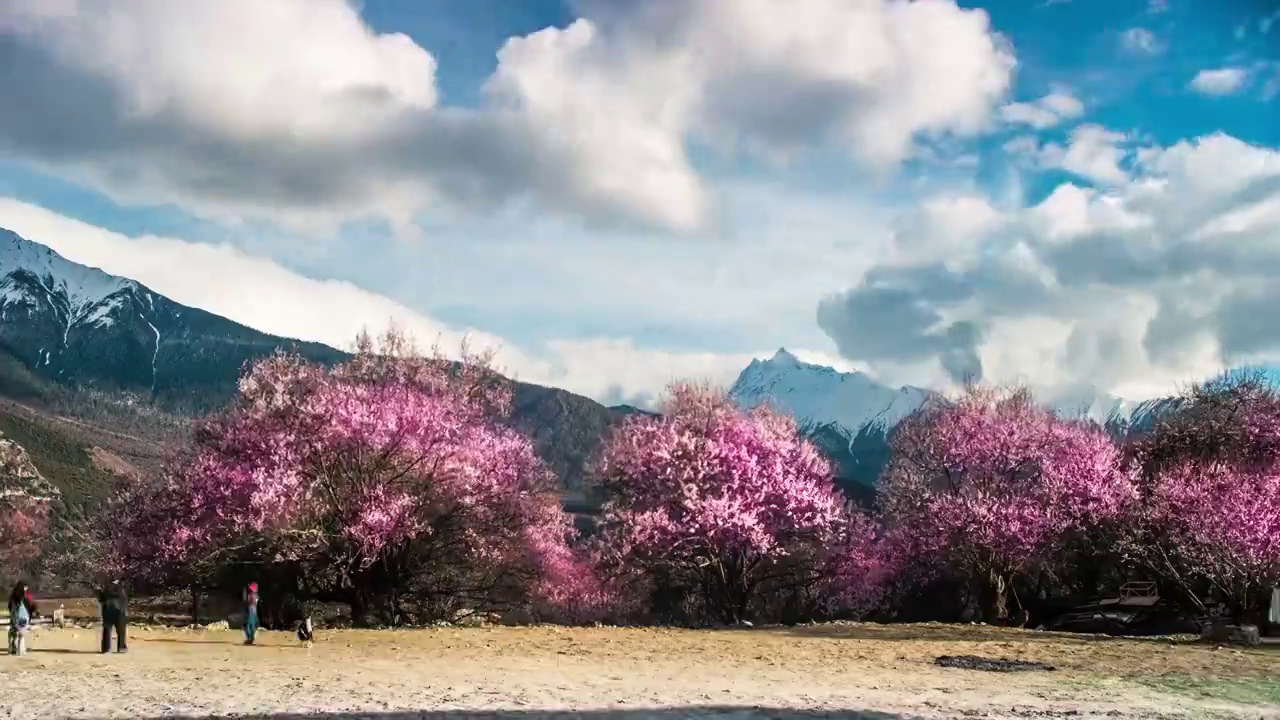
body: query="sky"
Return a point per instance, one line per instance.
(1079, 195)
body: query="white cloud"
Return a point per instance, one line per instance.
(1164, 276)
(1141, 41)
(1156, 7)
(1094, 153)
(1224, 81)
(1044, 113)
(1091, 152)
(296, 111)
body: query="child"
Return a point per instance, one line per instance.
(21, 610)
(306, 631)
(251, 613)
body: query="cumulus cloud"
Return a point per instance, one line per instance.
(1095, 153)
(1163, 276)
(1091, 152)
(1224, 81)
(224, 108)
(1044, 113)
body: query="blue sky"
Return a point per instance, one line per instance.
(1066, 193)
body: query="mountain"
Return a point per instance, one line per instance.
(851, 416)
(84, 353)
(81, 327)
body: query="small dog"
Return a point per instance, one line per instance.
(306, 631)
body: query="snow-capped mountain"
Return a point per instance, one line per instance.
(79, 325)
(818, 395)
(850, 415)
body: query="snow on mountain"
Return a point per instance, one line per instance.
(83, 286)
(820, 396)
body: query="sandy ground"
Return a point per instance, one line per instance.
(827, 671)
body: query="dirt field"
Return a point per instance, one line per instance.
(829, 671)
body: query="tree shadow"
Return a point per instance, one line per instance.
(940, 632)
(710, 712)
(228, 643)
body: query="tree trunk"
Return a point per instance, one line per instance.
(361, 609)
(195, 605)
(393, 608)
(996, 607)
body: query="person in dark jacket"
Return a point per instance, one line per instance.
(115, 615)
(22, 610)
(21, 595)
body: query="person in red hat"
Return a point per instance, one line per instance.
(250, 613)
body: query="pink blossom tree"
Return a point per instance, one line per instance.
(725, 504)
(992, 486)
(387, 478)
(24, 526)
(25, 498)
(1211, 494)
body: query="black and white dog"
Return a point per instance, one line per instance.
(306, 631)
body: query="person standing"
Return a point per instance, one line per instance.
(22, 609)
(250, 613)
(115, 615)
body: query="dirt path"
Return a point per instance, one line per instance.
(832, 671)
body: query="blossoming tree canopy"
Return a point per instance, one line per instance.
(991, 483)
(366, 460)
(1211, 473)
(714, 495)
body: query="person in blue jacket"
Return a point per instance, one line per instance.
(250, 613)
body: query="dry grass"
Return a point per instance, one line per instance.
(837, 670)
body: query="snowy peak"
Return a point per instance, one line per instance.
(784, 357)
(818, 395)
(28, 266)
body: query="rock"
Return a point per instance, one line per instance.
(217, 626)
(1231, 634)
(472, 620)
